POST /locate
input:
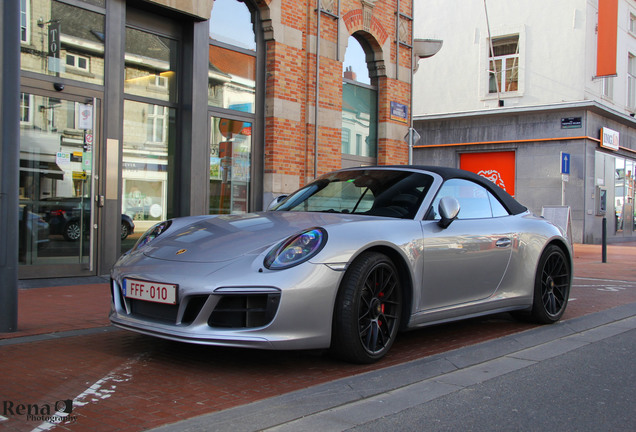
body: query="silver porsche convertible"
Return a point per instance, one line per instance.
(345, 263)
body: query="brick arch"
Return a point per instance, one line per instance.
(354, 20)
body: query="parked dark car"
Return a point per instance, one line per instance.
(64, 216)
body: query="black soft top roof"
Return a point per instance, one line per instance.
(512, 205)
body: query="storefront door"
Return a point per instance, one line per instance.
(58, 217)
(230, 165)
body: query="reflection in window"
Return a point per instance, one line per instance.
(26, 108)
(151, 65)
(231, 23)
(355, 64)
(77, 61)
(230, 160)
(359, 106)
(56, 30)
(55, 187)
(232, 79)
(231, 86)
(149, 139)
(156, 123)
(619, 192)
(359, 116)
(25, 21)
(475, 201)
(504, 65)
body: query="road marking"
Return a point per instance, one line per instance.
(100, 390)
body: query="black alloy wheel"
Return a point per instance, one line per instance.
(368, 309)
(552, 286)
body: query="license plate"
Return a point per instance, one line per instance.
(150, 291)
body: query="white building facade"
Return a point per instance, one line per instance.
(516, 93)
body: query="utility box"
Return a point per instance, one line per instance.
(601, 201)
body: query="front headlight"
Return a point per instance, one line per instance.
(296, 249)
(154, 232)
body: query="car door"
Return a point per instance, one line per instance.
(466, 261)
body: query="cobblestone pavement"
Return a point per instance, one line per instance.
(65, 355)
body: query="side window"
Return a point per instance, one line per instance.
(475, 201)
(498, 210)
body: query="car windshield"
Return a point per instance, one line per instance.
(374, 192)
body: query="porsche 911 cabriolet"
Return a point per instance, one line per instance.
(345, 264)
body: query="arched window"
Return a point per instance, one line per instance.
(231, 23)
(359, 107)
(232, 99)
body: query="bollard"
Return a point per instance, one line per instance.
(604, 241)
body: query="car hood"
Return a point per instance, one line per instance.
(216, 239)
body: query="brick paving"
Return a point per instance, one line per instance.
(121, 381)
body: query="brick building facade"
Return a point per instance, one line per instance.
(291, 32)
(142, 110)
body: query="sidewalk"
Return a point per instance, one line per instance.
(69, 304)
(621, 258)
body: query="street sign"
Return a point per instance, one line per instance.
(565, 163)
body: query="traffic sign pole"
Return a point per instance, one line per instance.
(565, 173)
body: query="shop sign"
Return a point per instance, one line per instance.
(498, 167)
(76, 156)
(399, 112)
(609, 139)
(86, 116)
(54, 39)
(54, 62)
(62, 158)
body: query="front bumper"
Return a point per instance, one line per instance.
(239, 304)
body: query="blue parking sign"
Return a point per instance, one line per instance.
(565, 163)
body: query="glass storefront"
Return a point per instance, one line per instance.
(230, 161)
(72, 184)
(624, 195)
(149, 137)
(149, 140)
(56, 181)
(232, 105)
(616, 175)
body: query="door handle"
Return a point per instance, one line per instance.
(503, 242)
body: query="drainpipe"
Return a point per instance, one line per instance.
(317, 90)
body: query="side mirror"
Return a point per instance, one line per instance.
(276, 201)
(448, 211)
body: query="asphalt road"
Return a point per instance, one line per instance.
(592, 388)
(574, 376)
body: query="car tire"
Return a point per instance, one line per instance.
(368, 310)
(551, 286)
(72, 231)
(125, 231)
